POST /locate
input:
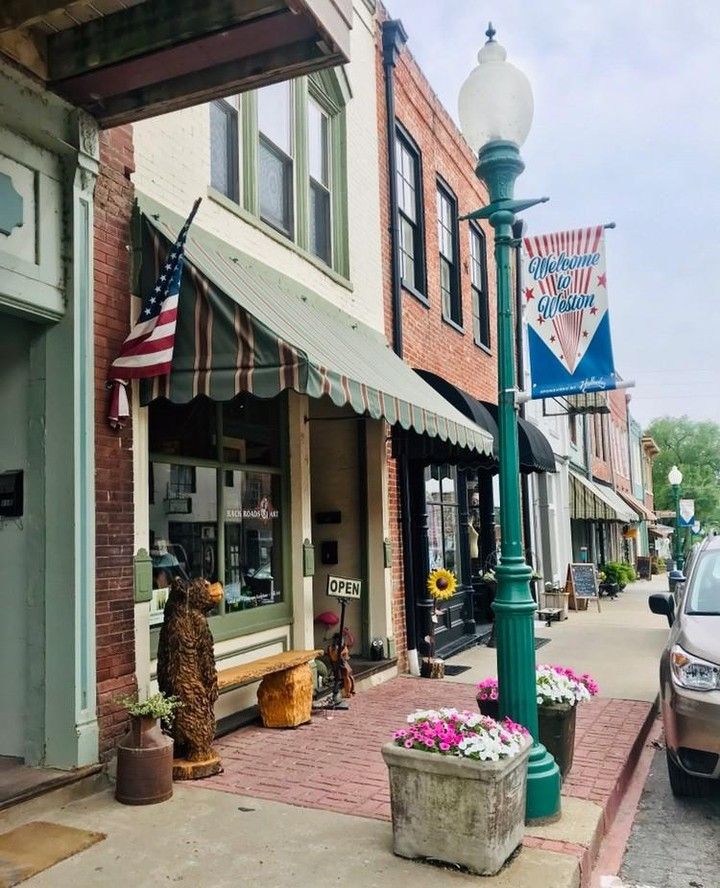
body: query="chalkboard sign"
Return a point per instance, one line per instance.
(644, 567)
(582, 585)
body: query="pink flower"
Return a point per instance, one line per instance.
(408, 744)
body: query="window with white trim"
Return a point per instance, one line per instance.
(448, 246)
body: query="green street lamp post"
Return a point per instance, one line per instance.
(675, 478)
(495, 109)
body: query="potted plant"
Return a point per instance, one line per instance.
(458, 782)
(559, 690)
(145, 753)
(620, 573)
(441, 585)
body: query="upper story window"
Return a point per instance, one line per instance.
(224, 166)
(573, 425)
(479, 287)
(275, 156)
(319, 167)
(279, 154)
(410, 209)
(448, 245)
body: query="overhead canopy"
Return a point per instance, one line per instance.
(123, 60)
(638, 506)
(245, 327)
(536, 454)
(596, 502)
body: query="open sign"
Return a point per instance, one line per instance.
(341, 587)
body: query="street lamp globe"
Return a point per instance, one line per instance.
(496, 100)
(675, 476)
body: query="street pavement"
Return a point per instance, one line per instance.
(619, 646)
(674, 842)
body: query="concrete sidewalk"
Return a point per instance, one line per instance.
(311, 806)
(620, 646)
(207, 839)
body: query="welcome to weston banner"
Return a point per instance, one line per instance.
(566, 309)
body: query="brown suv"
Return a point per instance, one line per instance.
(690, 672)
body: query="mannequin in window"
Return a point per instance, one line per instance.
(473, 541)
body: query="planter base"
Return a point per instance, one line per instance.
(432, 668)
(185, 770)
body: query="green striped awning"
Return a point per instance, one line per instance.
(245, 327)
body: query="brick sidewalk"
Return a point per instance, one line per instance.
(335, 764)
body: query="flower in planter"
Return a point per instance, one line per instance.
(463, 734)
(553, 685)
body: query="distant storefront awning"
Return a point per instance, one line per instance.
(660, 530)
(635, 504)
(596, 502)
(245, 327)
(536, 454)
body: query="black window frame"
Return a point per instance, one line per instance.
(480, 295)
(443, 190)
(232, 138)
(404, 141)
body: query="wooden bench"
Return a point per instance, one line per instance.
(285, 693)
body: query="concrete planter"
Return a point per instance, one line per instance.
(457, 810)
(556, 729)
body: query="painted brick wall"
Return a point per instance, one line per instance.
(428, 341)
(113, 450)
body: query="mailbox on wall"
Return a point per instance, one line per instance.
(11, 494)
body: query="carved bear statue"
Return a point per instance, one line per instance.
(186, 666)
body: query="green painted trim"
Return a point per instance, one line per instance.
(236, 652)
(229, 626)
(249, 153)
(301, 165)
(339, 193)
(172, 459)
(35, 527)
(362, 470)
(334, 84)
(256, 222)
(142, 576)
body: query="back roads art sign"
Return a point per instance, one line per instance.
(566, 309)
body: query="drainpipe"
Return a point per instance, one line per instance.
(518, 231)
(394, 39)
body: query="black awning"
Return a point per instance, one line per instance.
(465, 403)
(536, 454)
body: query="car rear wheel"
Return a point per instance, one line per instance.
(684, 784)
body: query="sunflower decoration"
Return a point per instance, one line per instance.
(441, 584)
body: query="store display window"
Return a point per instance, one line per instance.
(216, 501)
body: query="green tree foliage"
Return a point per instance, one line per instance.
(694, 447)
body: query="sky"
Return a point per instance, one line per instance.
(626, 130)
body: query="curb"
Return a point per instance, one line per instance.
(611, 807)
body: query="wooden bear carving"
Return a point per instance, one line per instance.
(186, 669)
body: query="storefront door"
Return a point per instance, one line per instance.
(14, 387)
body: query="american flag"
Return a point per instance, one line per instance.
(148, 350)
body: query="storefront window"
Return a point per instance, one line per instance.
(216, 503)
(441, 501)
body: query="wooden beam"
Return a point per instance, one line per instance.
(21, 13)
(227, 79)
(144, 29)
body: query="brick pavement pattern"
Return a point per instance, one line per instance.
(335, 764)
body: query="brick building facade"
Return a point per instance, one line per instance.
(440, 330)
(114, 490)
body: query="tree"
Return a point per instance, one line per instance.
(694, 447)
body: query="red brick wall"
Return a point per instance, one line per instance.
(601, 468)
(619, 419)
(428, 341)
(113, 449)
